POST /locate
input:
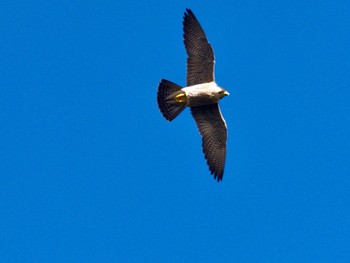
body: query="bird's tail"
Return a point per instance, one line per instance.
(171, 99)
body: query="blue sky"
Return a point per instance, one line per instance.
(91, 172)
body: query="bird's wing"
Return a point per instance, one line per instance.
(212, 127)
(200, 55)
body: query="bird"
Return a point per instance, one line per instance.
(201, 95)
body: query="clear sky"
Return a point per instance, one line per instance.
(91, 172)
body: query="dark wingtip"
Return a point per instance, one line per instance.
(217, 176)
(188, 12)
(188, 16)
(219, 179)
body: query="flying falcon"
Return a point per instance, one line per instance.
(201, 94)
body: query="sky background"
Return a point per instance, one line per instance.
(91, 172)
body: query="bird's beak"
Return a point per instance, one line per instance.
(226, 93)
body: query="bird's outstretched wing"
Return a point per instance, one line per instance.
(200, 55)
(212, 127)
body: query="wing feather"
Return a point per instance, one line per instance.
(200, 55)
(212, 127)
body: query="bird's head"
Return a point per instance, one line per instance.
(223, 93)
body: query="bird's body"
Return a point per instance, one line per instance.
(201, 94)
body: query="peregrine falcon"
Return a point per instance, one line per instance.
(201, 94)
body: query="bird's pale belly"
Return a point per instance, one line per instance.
(202, 94)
